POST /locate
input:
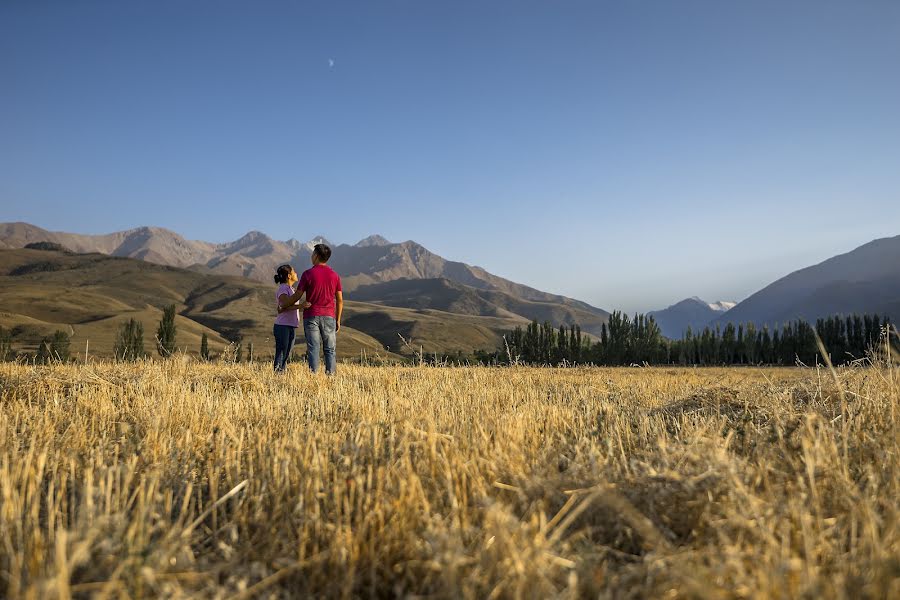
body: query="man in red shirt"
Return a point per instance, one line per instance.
(322, 319)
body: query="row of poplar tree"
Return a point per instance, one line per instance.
(638, 340)
(129, 344)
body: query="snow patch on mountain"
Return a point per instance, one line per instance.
(722, 305)
(297, 245)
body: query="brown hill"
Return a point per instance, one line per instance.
(89, 295)
(371, 261)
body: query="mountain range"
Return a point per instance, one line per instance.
(395, 291)
(389, 277)
(373, 260)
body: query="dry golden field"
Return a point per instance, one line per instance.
(180, 479)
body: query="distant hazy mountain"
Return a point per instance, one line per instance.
(449, 296)
(692, 312)
(373, 260)
(865, 280)
(152, 244)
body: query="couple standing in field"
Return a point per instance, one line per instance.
(321, 311)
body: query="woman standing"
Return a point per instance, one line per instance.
(286, 321)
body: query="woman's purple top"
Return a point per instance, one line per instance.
(291, 318)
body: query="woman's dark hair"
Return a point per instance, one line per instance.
(323, 252)
(282, 273)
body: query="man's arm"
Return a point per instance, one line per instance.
(295, 297)
(286, 302)
(338, 309)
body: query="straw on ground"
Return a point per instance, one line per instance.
(180, 479)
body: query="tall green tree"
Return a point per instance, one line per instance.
(54, 348)
(561, 351)
(165, 333)
(6, 351)
(130, 341)
(44, 354)
(750, 345)
(728, 344)
(60, 345)
(576, 343)
(619, 329)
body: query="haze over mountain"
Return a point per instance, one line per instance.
(691, 312)
(373, 260)
(864, 280)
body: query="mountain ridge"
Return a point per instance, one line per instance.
(863, 280)
(371, 261)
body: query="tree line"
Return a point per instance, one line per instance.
(128, 345)
(845, 339)
(622, 341)
(638, 340)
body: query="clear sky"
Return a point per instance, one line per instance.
(629, 154)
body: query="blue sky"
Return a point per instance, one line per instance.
(629, 154)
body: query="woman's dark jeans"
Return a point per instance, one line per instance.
(284, 344)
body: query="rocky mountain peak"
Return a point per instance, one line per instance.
(372, 240)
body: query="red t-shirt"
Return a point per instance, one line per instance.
(320, 283)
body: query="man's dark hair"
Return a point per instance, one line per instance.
(282, 273)
(323, 252)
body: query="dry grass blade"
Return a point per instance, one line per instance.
(233, 492)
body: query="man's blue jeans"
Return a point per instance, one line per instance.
(320, 334)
